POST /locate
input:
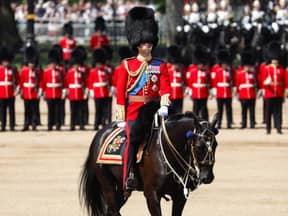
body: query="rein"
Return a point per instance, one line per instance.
(183, 163)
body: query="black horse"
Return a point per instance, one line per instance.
(178, 157)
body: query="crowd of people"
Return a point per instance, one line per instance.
(201, 65)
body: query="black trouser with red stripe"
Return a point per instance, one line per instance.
(137, 133)
(200, 108)
(274, 107)
(227, 102)
(54, 113)
(77, 113)
(102, 112)
(4, 104)
(31, 113)
(248, 104)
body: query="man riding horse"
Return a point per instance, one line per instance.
(143, 86)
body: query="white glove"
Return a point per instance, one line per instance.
(112, 91)
(121, 124)
(91, 93)
(40, 92)
(163, 111)
(259, 93)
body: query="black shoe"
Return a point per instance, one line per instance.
(72, 128)
(242, 127)
(3, 129)
(268, 132)
(12, 129)
(26, 128)
(34, 128)
(50, 128)
(279, 132)
(82, 128)
(96, 127)
(58, 128)
(252, 126)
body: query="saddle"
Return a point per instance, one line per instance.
(112, 149)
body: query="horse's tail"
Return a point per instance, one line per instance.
(90, 191)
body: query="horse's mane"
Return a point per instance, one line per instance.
(179, 116)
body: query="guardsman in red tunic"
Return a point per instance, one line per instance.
(99, 84)
(85, 69)
(52, 84)
(274, 85)
(246, 84)
(177, 79)
(99, 39)
(198, 82)
(143, 86)
(75, 84)
(223, 84)
(30, 85)
(9, 88)
(68, 43)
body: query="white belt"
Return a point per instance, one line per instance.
(223, 84)
(99, 84)
(174, 84)
(53, 85)
(67, 50)
(246, 85)
(75, 86)
(5, 83)
(29, 85)
(199, 85)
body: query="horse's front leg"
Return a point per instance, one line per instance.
(153, 202)
(178, 204)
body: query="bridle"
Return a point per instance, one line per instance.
(192, 172)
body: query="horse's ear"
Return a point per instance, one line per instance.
(215, 119)
(194, 117)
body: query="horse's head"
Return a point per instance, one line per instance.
(203, 148)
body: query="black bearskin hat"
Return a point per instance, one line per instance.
(83, 51)
(274, 51)
(76, 57)
(59, 50)
(125, 52)
(100, 24)
(174, 54)
(31, 55)
(99, 56)
(109, 52)
(68, 28)
(6, 54)
(54, 56)
(201, 55)
(247, 57)
(140, 26)
(223, 56)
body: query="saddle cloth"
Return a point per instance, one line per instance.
(112, 149)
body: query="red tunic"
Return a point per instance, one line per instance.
(75, 83)
(156, 83)
(223, 82)
(176, 81)
(67, 44)
(98, 41)
(53, 83)
(8, 82)
(245, 83)
(198, 81)
(29, 83)
(99, 82)
(277, 84)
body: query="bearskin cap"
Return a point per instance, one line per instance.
(68, 28)
(140, 26)
(83, 51)
(223, 56)
(109, 52)
(100, 24)
(31, 55)
(247, 57)
(174, 54)
(201, 55)
(124, 52)
(76, 57)
(59, 49)
(273, 51)
(99, 56)
(6, 54)
(54, 56)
